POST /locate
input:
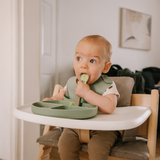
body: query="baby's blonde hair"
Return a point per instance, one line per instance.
(99, 40)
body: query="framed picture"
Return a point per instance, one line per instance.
(135, 30)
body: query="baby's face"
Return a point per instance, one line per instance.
(89, 58)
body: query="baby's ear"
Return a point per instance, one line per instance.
(107, 67)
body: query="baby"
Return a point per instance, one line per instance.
(92, 57)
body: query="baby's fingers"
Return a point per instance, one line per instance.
(47, 99)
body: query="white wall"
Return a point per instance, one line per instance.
(19, 82)
(31, 74)
(78, 18)
(5, 80)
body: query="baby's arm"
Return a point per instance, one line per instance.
(58, 96)
(106, 104)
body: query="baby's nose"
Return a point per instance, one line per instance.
(84, 66)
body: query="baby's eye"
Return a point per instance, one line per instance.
(79, 59)
(92, 61)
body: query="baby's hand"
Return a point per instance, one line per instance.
(58, 96)
(82, 89)
(48, 99)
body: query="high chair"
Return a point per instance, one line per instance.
(138, 143)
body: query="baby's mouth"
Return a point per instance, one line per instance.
(84, 77)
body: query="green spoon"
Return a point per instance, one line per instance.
(84, 78)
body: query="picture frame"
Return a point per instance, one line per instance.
(135, 30)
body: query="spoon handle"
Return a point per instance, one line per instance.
(77, 102)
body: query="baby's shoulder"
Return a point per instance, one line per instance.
(72, 79)
(107, 79)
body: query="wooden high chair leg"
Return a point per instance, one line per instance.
(44, 151)
(48, 128)
(152, 136)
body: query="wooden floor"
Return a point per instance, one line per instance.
(158, 146)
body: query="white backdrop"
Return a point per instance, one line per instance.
(80, 18)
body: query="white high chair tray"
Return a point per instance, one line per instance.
(121, 119)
